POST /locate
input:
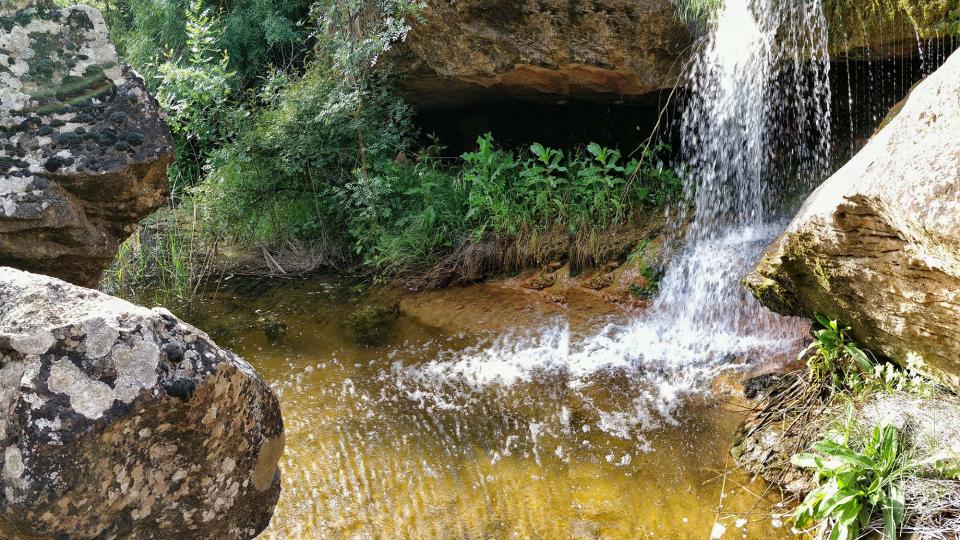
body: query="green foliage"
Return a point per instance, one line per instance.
(854, 485)
(836, 359)
(288, 129)
(508, 193)
(194, 90)
(637, 257)
(256, 34)
(839, 362)
(890, 378)
(160, 254)
(697, 13)
(416, 216)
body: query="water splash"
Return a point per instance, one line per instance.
(757, 123)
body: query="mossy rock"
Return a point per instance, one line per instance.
(372, 324)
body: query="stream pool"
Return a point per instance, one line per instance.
(461, 429)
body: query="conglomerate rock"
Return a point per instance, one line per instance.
(83, 149)
(123, 422)
(877, 246)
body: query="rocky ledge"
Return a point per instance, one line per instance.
(124, 422)
(475, 50)
(83, 149)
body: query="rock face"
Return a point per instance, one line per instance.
(469, 50)
(877, 246)
(124, 422)
(889, 28)
(83, 150)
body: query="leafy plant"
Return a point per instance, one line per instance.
(837, 359)
(853, 486)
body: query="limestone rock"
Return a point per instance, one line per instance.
(124, 422)
(877, 246)
(83, 150)
(470, 50)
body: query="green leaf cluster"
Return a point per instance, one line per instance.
(590, 188)
(854, 486)
(836, 358)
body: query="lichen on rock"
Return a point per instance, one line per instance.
(124, 422)
(83, 147)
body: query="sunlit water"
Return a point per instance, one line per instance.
(477, 435)
(605, 431)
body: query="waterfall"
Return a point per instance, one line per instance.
(757, 123)
(756, 126)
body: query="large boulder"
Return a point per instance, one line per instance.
(877, 246)
(83, 150)
(471, 50)
(124, 422)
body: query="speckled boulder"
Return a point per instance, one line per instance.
(124, 422)
(83, 150)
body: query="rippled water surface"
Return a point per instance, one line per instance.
(483, 434)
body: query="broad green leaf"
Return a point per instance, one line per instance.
(822, 319)
(889, 525)
(842, 453)
(807, 461)
(860, 357)
(897, 503)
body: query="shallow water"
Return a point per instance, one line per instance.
(476, 434)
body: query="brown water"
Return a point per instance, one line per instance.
(421, 438)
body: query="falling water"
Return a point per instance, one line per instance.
(756, 127)
(757, 123)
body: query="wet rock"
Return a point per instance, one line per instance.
(373, 323)
(70, 192)
(272, 326)
(107, 435)
(877, 246)
(469, 51)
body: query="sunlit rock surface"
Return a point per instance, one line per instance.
(124, 422)
(467, 51)
(83, 150)
(877, 246)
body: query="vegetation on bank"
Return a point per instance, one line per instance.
(295, 152)
(887, 475)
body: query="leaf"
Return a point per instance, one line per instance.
(897, 503)
(822, 319)
(859, 356)
(889, 446)
(842, 453)
(889, 524)
(807, 461)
